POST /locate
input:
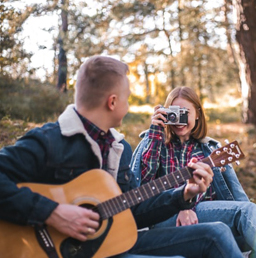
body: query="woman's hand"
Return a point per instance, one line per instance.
(158, 118)
(186, 217)
(200, 181)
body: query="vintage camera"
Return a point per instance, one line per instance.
(176, 115)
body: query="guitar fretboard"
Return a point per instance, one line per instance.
(128, 199)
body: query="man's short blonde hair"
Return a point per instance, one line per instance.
(97, 78)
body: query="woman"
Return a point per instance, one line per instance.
(167, 147)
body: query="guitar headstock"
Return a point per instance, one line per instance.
(226, 154)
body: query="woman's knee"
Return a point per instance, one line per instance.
(218, 229)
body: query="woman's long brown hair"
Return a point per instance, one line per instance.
(187, 93)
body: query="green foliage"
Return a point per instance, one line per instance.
(136, 100)
(133, 125)
(135, 118)
(31, 100)
(11, 47)
(224, 115)
(185, 41)
(139, 9)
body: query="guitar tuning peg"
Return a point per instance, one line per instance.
(237, 162)
(226, 141)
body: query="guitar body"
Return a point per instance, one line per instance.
(117, 234)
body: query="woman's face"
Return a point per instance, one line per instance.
(184, 131)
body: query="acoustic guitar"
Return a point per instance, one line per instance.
(98, 190)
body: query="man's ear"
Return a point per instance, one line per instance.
(112, 101)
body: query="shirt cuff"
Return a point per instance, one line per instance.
(41, 211)
(189, 204)
(156, 132)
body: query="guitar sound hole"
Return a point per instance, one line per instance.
(94, 208)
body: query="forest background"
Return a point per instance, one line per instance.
(204, 44)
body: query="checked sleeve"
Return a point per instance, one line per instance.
(152, 154)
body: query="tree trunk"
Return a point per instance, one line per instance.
(62, 70)
(147, 83)
(180, 11)
(230, 48)
(246, 38)
(199, 82)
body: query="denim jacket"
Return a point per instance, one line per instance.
(226, 184)
(57, 153)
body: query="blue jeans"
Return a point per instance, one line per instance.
(240, 217)
(211, 240)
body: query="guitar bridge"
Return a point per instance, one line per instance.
(45, 241)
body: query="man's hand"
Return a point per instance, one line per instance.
(74, 221)
(186, 217)
(201, 179)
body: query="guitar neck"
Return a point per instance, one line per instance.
(128, 199)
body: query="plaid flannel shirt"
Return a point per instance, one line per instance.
(159, 159)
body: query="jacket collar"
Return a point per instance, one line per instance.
(71, 124)
(207, 140)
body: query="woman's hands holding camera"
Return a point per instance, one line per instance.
(158, 117)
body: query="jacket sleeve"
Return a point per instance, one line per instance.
(234, 185)
(151, 154)
(135, 163)
(161, 207)
(23, 163)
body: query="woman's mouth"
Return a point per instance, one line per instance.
(179, 126)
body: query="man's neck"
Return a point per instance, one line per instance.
(96, 117)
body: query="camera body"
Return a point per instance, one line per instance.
(176, 115)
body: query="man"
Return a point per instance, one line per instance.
(83, 139)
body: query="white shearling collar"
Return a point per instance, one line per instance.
(71, 124)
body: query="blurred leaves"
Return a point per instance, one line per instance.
(31, 100)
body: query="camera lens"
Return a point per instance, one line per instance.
(172, 117)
